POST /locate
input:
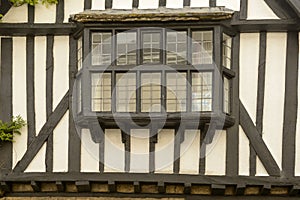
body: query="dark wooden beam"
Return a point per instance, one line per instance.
(218, 189)
(49, 99)
(295, 4)
(244, 9)
(108, 4)
(30, 16)
(5, 6)
(35, 186)
(212, 3)
(290, 105)
(23, 29)
(87, 4)
(6, 107)
(60, 186)
(186, 2)
(60, 11)
(258, 144)
(74, 147)
(232, 137)
(135, 3)
(30, 89)
(162, 3)
(83, 186)
(281, 8)
(43, 135)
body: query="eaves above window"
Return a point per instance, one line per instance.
(160, 14)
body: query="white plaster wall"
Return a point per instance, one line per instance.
(40, 82)
(98, 5)
(190, 152)
(297, 159)
(89, 153)
(44, 14)
(274, 94)
(249, 57)
(114, 152)
(164, 151)
(139, 150)
(197, 3)
(61, 68)
(146, 4)
(258, 9)
(61, 145)
(231, 4)
(73, 7)
(38, 163)
(174, 4)
(16, 15)
(19, 95)
(122, 4)
(215, 163)
(244, 153)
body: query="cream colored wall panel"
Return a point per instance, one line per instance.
(249, 57)
(190, 152)
(89, 153)
(16, 15)
(197, 3)
(244, 153)
(146, 4)
(122, 4)
(98, 5)
(231, 4)
(61, 145)
(73, 7)
(215, 163)
(164, 151)
(19, 95)
(38, 163)
(258, 9)
(274, 94)
(174, 4)
(40, 82)
(113, 146)
(139, 150)
(297, 159)
(260, 169)
(61, 68)
(45, 14)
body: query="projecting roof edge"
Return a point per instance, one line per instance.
(160, 14)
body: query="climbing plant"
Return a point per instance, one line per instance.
(7, 129)
(33, 2)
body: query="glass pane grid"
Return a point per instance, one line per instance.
(176, 92)
(151, 47)
(202, 91)
(226, 95)
(126, 48)
(126, 92)
(151, 92)
(101, 92)
(202, 47)
(101, 48)
(227, 45)
(176, 47)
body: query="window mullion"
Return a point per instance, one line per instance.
(189, 91)
(138, 91)
(113, 90)
(114, 48)
(163, 90)
(189, 47)
(163, 46)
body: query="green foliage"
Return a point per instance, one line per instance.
(7, 129)
(33, 2)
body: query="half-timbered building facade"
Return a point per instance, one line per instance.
(179, 99)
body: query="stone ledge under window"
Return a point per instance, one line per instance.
(160, 14)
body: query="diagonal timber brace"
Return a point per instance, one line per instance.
(43, 135)
(257, 143)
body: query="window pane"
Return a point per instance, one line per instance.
(151, 92)
(176, 47)
(126, 92)
(176, 92)
(151, 48)
(101, 91)
(226, 95)
(79, 53)
(202, 47)
(101, 48)
(79, 100)
(227, 42)
(126, 48)
(202, 91)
